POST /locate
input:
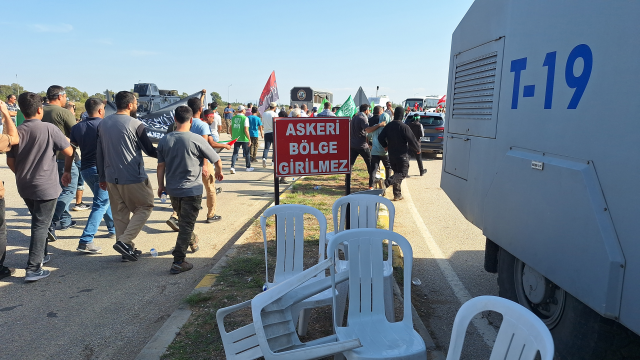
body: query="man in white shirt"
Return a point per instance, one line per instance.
(303, 110)
(216, 125)
(267, 122)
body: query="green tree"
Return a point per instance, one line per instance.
(13, 89)
(76, 95)
(98, 96)
(184, 95)
(215, 97)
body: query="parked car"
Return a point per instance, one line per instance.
(433, 125)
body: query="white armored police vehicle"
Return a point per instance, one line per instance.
(553, 181)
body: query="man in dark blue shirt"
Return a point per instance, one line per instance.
(84, 135)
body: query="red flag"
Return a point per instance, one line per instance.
(443, 100)
(269, 93)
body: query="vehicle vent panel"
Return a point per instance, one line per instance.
(474, 87)
(474, 90)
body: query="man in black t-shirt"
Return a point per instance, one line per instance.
(398, 138)
(359, 127)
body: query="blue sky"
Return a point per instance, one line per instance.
(401, 46)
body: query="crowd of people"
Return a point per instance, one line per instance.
(50, 173)
(42, 152)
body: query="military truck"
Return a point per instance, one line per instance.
(559, 209)
(150, 98)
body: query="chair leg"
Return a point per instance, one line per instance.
(303, 321)
(341, 301)
(388, 299)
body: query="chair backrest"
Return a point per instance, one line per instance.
(363, 212)
(521, 335)
(272, 315)
(366, 276)
(290, 238)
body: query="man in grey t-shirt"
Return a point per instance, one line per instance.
(33, 160)
(181, 154)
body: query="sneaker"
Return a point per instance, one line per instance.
(36, 275)
(218, 190)
(81, 207)
(194, 243)
(398, 198)
(72, 224)
(370, 187)
(173, 224)
(424, 171)
(408, 176)
(254, 159)
(214, 218)
(181, 267)
(232, 170)
(5, 272)
(250, 169)
(51, 235)
(136, 251)
(89, 248)
(46, 259)
(284, 181)
(126, 251)
(264, 163)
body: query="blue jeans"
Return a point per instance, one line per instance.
(268, 141)
(80, 179)
(67, 195)
(99, 209)
(245, 153)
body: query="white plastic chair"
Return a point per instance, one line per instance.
(273, 334)
(366, 318)
(273, 318)
(363, 213)
(521, 335)
(290, 254)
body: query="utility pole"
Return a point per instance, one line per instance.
(228, 98)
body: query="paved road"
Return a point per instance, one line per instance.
(448, 259)
(96, 307)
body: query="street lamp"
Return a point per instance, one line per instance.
(228, 98)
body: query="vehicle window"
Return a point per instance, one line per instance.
(412, 103)
(431, 120)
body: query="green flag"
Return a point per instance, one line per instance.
(373, 104)
(347, 109)
(19, 118)
(321, 108)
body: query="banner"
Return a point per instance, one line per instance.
(321, 108)
(269, 93)
(159, 121)
(347, 109)
(442, 102)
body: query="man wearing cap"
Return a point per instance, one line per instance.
(63, 119)
(240, 131)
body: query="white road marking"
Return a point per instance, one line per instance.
(482, 325)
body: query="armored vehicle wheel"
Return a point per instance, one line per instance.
(578, 332)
